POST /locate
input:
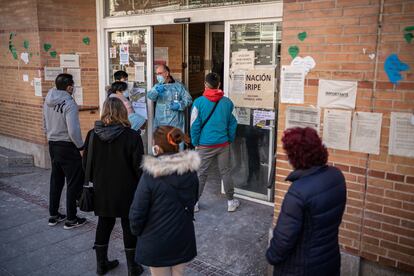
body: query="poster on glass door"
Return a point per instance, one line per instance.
(259, 88)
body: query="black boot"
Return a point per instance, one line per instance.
(134, 269)
(102, 263)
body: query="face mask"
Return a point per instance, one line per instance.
(155, 150)
(73, 90)
(160, 79)
(142, 132)
(126, 94)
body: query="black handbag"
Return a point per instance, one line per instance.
(86, 203)
(191, 146)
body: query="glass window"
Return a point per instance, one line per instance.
(127, 51)
(253, 148)
(129, 7)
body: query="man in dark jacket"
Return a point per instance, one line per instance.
(305, 239)
(61, 119)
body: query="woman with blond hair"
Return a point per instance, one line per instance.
(117, 152)
(162, 212)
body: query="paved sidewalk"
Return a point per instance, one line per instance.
(228, 243)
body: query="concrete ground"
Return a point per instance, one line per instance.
(228, 243)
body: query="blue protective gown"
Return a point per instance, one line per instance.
(164, 116)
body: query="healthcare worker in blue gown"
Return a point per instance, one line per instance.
(172, 99)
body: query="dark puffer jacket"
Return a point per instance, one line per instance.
(162, 212)
(305, 239)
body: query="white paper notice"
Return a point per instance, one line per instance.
(262, 115)
(238, 82)
(139, 104)
(242, 60)
(242, 115)
(25, 57)
(78, 95)
(52, 72)
(307, 62)
(366, 132)
(76, 73)
(401, 140)
(337, 94)
(292, 84)
(124, 54)
(37, 83)
(25, 77)
(140, 71)
(337, 128)
(298, 116)
(112, 52)
(69, 61)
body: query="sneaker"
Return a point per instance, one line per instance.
(196, 208)
(74, 223)
(53, 220)
(232, 205)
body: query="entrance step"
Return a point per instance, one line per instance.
(14, 159)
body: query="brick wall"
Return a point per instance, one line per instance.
(171, 36)
(63, 25)
(378, 223)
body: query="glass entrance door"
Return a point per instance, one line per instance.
(252, 56)
(130, 50)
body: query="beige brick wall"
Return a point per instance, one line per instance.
(379, 219)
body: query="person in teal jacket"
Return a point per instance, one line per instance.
(213, 140)
(172, 99)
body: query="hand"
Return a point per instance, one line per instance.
(160, 89)
(174, 106)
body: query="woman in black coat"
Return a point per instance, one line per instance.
(305, 239)
(162, 212)
(115, 172)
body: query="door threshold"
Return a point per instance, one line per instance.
(254, 200)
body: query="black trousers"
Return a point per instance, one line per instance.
(104, 230)
(66, 163)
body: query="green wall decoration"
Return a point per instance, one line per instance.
(293, 51)
(47, 47)
(302, 36)
(86, 40)
(26, 44)
(408, 35)
(53, 54)
(12, 48)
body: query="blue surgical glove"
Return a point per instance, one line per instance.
(174, 106)
(160, 89)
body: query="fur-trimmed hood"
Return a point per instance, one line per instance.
(180, 163)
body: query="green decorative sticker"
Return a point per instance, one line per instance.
(293, 51)
(47, 47)
(409, 29)
(26, 44)
(12, 48)
(86, 40)
(408, 37)
(408, 33)
(302, 36)
(53, 54)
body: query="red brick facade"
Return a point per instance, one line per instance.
(63, 25)
(379, 219)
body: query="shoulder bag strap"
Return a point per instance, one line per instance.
(209, 116)
(89, 159)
